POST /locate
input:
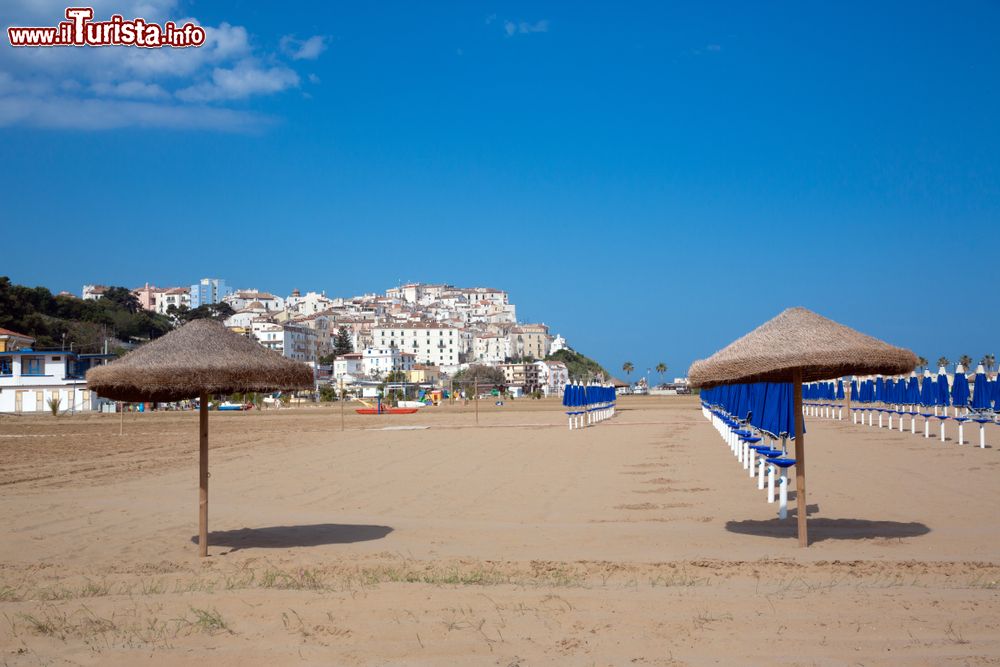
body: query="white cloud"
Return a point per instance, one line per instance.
(524, 27)
(134, 89)
(240, 82)
(103, 88)
(297, 49)
(105, 114)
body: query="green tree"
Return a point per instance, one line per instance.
(395, 376)
(54, 321)
(214, 311)
(944, 361)
(123, 297)
(485, 376)
(966, 361)
(661, 368)
(342, 343)
(628, 367)
(921, 363)
(580, 367)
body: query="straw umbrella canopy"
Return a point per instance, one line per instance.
(800, 346)
(195, 361)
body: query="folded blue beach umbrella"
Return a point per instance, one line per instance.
(960, 389)
(944, 394)
(879, 389)
(913, 390)
(840, 390)
(566, 395)
(981, 398)
(928, 391)
(769, 409)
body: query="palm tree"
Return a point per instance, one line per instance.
(944, 361)
(661, 368)
(628, 367)
(921, 363)
(966, 361)
(989, 361)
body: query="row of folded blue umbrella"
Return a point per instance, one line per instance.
(584, 396)
(930, 392)
(767, 406)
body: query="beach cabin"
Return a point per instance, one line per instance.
(30, 379)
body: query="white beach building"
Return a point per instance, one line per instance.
(30, 379)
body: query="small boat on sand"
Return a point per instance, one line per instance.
(385, 411)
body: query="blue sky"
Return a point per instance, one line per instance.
(652, 181)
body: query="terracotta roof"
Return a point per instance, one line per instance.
(8, 332)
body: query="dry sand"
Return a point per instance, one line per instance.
(514, 542)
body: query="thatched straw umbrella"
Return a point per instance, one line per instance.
(199, 359)
(800, 346)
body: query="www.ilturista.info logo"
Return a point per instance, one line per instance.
(80, 30)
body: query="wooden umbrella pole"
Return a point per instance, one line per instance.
(203, 475)
(800, 461)
(847, 399)
(342, 399)
(477, 401)
(121, 419)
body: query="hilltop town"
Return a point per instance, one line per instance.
(416, 332)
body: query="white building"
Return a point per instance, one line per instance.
(380, 361)
(243, 299)
(558, 343)
(553, 376)
(244, 319)
(176, 297)
(348, 366)
(290, 340)
(308, 304)
(93, 292)
(30, 379)
(487, 349)
(431, 343)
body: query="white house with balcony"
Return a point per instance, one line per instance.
(31, 379)
(431, 343)
(553, 376)
(290, 340)
(380, 361)
(346, 367)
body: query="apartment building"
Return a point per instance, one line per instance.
(431, 343)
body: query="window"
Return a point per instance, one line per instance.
(6, 366)
(32, 366)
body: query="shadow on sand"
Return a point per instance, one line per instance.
(829, 529)
(284, 537)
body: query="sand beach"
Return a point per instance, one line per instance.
(428, 539)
